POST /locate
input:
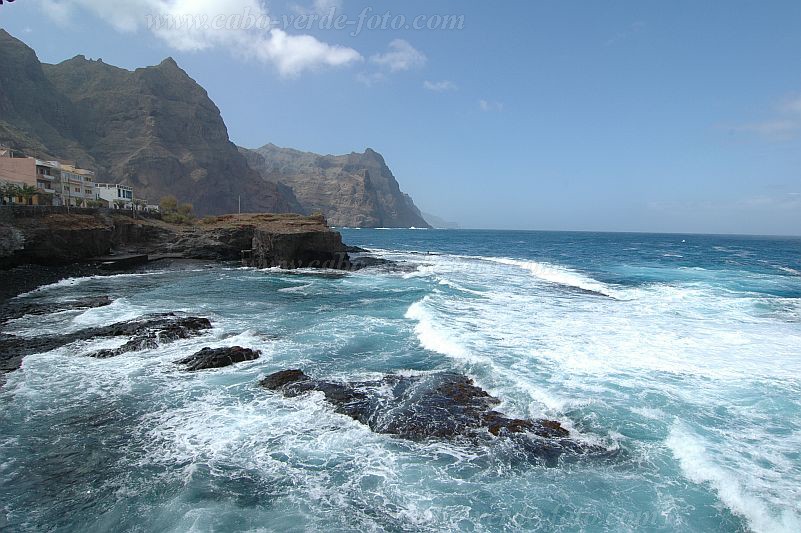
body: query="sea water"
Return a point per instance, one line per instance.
(679, 354)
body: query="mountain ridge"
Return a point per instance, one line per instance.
(156, 129)
(355, 189)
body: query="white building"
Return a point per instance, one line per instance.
(118, 196)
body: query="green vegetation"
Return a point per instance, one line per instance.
(8, 192)
(175, 213)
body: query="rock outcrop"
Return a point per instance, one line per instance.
(218, 358)
(152, 332)
(59, 239)
(357, 190)
(263, 240)
(145, 332)
(17, 309)
(443, 405)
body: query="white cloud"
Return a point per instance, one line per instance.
(293, 54)
(319, 7)
(774, 129)
(370, 78)
(792, 105)
(783, 126)
(196, 25)
(487, 106)
(439, 86)
(401, 56)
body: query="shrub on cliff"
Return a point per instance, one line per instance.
(175, 213)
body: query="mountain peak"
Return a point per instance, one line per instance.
(169, 62)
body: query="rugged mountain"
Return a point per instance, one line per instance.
(34, 115)
(154, 128)
(350, 190)
(157, 130)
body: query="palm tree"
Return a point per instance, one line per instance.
(10, 191)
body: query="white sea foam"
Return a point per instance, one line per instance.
(72, 282)
(790, 270)
(431, 336)
(454, 285)
(296, 288)
(557, 275)
(731, 486)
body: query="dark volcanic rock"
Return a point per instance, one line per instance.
(379, 263)
(158, 331)
(443, 405)
(313, 249)
(147, 332)
(355, 249)
(218, 357)
(18, 309)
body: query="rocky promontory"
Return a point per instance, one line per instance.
(260, 240)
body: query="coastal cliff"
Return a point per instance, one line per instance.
(357, 189)
(261, 240)
(157, 130)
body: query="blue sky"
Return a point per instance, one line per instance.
(680, 116)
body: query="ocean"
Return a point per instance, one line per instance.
(680, 354)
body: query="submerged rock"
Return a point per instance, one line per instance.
(379, 263)
(17, 309)
(444, 405)
(158, 331)
(218, 357)
(146, 332)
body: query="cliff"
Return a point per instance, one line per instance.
(356, 189)
(286, 241)
(34, 115)
(157, 130)
(154, 128)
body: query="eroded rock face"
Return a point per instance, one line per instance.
(443, 405)
(315, 249)
(218, 358)
(356, 189)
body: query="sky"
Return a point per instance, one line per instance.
(644, 115)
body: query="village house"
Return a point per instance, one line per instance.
(40, 182)
(118, 196)
(30, 181)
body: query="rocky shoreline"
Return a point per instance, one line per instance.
(439, 406)
(103, 236)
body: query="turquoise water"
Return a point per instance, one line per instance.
(680, 352)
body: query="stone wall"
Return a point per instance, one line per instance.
(13, 212)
